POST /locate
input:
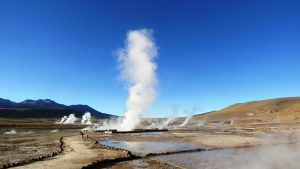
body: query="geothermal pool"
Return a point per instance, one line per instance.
(264, 157)
(143, 148)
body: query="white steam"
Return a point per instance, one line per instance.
(186, 121)
(86, 118)
(167, 122)
(201, 123)
(174, 119)
(138, 69)
(71, 119)
(63, 119)
(232, 121)
(113, 123)
(13, 131)
(277, 151)
(54, 131)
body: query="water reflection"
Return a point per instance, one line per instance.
(144, 148)
(266, 157)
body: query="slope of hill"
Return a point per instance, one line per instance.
(280, 109)
(41, 104)
(44, 109)
(7, 103)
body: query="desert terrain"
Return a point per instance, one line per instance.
(253, 133)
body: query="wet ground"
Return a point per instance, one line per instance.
(273, 157)
(265, 147)
(261, 157)
(144, 148)
(142, 164)
(269, 147)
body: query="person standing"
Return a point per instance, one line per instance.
(82, 134)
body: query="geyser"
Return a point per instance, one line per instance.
(138, 70)
(186, 121)
(71, 119)
(86, 118)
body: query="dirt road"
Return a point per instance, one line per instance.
(77, 153)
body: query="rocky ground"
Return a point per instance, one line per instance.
(30, 143)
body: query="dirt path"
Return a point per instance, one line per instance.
(77, 153)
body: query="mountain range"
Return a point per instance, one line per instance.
(44, 108)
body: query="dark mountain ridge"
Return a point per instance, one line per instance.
(44, 108)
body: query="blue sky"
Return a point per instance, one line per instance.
(211, 53)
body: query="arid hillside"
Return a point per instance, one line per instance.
(283, 110)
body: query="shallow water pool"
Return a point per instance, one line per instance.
(143, 148)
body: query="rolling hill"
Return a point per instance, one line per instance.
(44, 108)
(280, 109)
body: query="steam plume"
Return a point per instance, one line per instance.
(186, 121)
(138, 70)
(63, 119)
(86, 118)
(71, 119)
(167, 122)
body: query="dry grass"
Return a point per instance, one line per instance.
(274, 110)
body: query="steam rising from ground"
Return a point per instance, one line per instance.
(276, 152)
(161, 124)
(86, 118)
(167, 122)
(13, 131)
(138, 70)
(186, 121)
(174, 119)
(54, 131)
(71, 119)
(63, 119)
(111, 124)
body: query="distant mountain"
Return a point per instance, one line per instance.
(7, 103)
(41, 104)
(44, 108)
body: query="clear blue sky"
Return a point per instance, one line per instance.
(211, 53)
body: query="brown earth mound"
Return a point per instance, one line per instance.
(283, 110)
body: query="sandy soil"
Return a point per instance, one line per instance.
(29, 144)
(77, 153)
(223, 141)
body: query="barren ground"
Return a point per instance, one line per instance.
(30, 143)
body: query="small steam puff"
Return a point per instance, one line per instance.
(71, 119)
(13, 131)
(54, 131)
(63, 119)
(186, 121)
(86, 118)
(171, 120)
(167, 122)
